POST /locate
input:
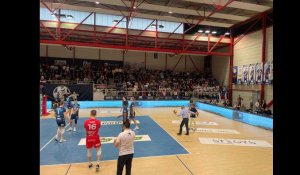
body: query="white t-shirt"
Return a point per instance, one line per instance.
(126, 139)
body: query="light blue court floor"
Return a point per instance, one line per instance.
(51, 152)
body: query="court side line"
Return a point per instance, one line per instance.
(68, 169)
(171, 135)
(52, 139)
(184, 165)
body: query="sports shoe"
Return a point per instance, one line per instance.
(74, 129)
(70, 129)
(178, 133)
(56, 140)
(62, 140)
(90, 165)
(136, 128)
(97, 167)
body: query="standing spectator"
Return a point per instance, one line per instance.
(264, 105)
(126, 148)
(239, 100)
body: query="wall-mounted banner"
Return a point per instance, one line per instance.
(239, 75)
(267, 73)
(235, 142)
(245, 74)
(85, 91)
(234, 74)
(258, 74)
(271, 74)
(106, 140)
(252, 73)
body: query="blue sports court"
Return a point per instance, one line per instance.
(52, 152)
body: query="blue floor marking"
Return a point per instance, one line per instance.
(69, 152)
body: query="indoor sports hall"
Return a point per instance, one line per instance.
(162, 57)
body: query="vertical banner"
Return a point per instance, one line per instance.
(267, 73)
(252, 73)
(239, 75)
(245, 74)
(234, 74)
(271, 74)
(258, 73)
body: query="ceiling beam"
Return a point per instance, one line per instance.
(162, 8)
(236, 4)
(137, 15)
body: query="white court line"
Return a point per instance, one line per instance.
(171, 136)
(147, 157)
(52, 139)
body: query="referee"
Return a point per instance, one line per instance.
(124, 143)
(185, 119)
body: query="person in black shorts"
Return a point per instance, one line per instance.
(74, 115)
(193, 117)
(132, 113)
(60, 115)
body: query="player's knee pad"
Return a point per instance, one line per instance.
(99, 152)
(89, 152)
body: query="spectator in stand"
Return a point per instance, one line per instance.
(239, 100)
(257, 106)
(263, 105)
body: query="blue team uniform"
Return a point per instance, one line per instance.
(60, 117)
(75, 116)
(132, 112)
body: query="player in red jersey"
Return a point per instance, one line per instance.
(92, 126)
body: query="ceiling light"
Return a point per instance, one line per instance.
(227, 33)
(170, 12)
(134, 7)
(97, 2)
(200, 31)
(213, 32)
(207, 31)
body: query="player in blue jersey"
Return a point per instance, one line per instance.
(132, 113)
(60, 115)
(69, 104)
(74, 115)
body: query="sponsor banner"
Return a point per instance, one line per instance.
(234, 74)
(258, 74)
(235, 142)
(85, 91)
(267, 73)
(271, 74)
(245, 74)
(116, 122)
(239, 75)
(252, 73)
(216, 131)
(197, 123)
(107, 140)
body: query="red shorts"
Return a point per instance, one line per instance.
(93, 142)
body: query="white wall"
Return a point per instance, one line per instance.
(133, 58)
(249, 51)
(220, 66)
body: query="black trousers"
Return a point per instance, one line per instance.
(185, 121)
(124, 160)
